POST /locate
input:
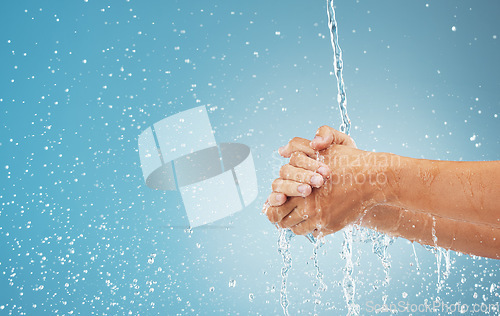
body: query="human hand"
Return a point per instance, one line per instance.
(351, 188)
(297, 178)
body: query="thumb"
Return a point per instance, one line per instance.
(326, 136)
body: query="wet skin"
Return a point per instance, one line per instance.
(329, 184)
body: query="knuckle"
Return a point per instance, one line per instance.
(321, 128)
(303, 176)
(296, 157)
(284, 170)
(276, 184)
(295, 140)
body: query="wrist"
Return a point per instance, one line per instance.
(382, 218)
(389, 171)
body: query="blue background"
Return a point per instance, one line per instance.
(80, 233)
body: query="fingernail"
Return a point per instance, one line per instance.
(324, 171)
(303, 188)
(318, 139)
(317, 180)
(280, 198)
(280, 150)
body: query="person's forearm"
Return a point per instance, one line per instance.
(465, 191)
(469, 238)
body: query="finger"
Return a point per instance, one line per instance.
(297, 144)
(305, 227)
(293, 218)
(291, 188)
(276, 213)
(266, 206)
(301, 160)
(289, 172)
(276, 199)
(326, 135)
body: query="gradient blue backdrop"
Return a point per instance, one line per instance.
(80, 233)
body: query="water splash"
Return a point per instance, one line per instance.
(348, 285)
(416, 257)
(447, 260)
(311, 238)
(380, 243)
(440, 253)
(442, 275)
(434, 237)
(285, 235)
(348, 281)
(321, 286)
(438, 265)
(338, 66)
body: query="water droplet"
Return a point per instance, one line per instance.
(151, 258)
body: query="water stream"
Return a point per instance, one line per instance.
(338, 67)
(380, 242)
(348, 284)
(319, 284)
(285, 235)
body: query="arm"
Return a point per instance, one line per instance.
(455, 199)
(465, 191)
(480, 240)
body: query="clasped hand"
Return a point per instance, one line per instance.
(327, 184)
